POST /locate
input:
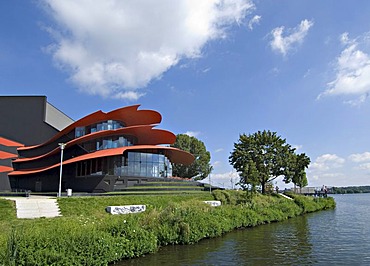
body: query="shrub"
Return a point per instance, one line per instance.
(99, 239)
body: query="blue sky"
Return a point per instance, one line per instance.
(213, 69)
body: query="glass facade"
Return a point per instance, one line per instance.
(148, 163)
(145, 164)
(138, 164)
(105, 125)
(108, 143)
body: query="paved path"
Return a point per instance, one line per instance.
(36, 207)
(285, 196)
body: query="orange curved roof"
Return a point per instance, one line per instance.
(146, 135)
(7, 155)
(129, 115)
(5, 169)
(175, 156)
(10, 143)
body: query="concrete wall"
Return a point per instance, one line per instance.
(56, 118)
(29, 120)
(4, 182)
(22, 119)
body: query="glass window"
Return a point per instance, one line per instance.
(143, 169)
(136, 168)
(155, 170)
(149, 169)
(143, 157)
(124, 170)
(145, 165)
(130, 169)
(110, 144)
(115, 144)
(79, 132)
(110, 125)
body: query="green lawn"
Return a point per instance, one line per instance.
(87, 235)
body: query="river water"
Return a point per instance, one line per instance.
(333, 237)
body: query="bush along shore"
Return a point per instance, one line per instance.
(86, 235)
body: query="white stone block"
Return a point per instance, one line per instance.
(213, 203)
(125, 209)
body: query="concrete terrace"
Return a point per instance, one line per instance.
(36, 207)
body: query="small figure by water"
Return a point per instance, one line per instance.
(324, 191)
(277, 189)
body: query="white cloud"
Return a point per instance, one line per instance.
(344, 39)
(206, 70)
(360, 157)
(326, 162)
(255, 20)
(216, 163)
(307, 74)
(283, 44)
(228, 179)
(359, 101)
(352, 70)
(364, 166)
(192, 133)
(219, 150)
(115, 48)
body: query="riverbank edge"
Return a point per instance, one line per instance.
(108, 239)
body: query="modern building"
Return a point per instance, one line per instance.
(102, 151)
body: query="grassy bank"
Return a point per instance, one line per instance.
(86, 235)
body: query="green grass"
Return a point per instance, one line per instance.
(164, 187)
(8, 211)
(95, 206)
(155, 192)
(87, 235)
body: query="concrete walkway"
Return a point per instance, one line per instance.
(36, 207)
(285, 196)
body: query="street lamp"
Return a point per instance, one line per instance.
(62, 146)
(209, 176)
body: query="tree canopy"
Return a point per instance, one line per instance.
(201, 167)
(296, 170)
(263, 156)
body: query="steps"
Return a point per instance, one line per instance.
(164, 185)
(285, 196)
(36, 207)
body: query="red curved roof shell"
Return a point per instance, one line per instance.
(138, 123)
(175, 155)
(146, 135)
(9, 143)
(130, 116)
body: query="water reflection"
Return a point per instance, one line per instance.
(284, 243)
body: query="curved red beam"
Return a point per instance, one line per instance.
(129, 115)
(146, 135)
(173, 154)
(4, 169)
(7, 155)
(9, 143)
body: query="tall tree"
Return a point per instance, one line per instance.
(201, 166)
(296, 171)
(261, 157)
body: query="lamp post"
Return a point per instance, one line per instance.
(210, 186)
(62, 146)
(209, 176)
